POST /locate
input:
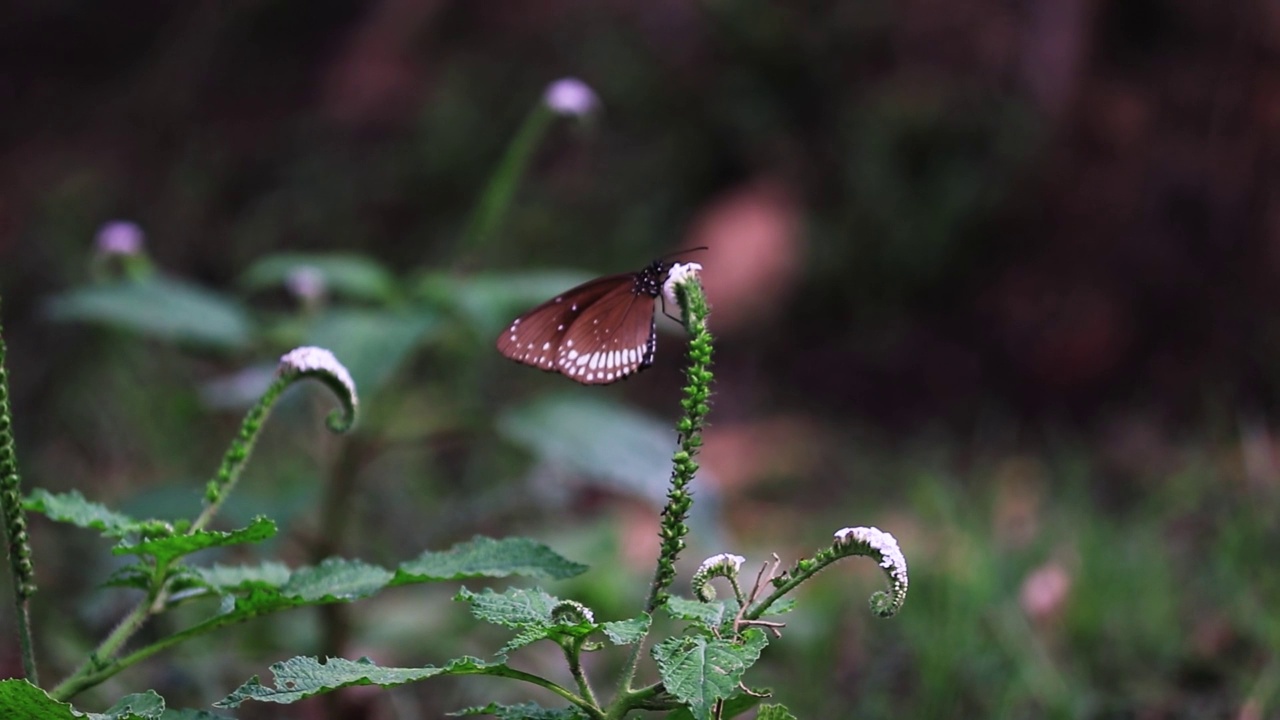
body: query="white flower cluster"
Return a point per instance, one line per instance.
(726, 562)
(886, 545)
(679, 273)
(310, 359)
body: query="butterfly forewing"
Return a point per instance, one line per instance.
(534, 338)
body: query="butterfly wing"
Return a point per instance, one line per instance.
(615, 338)
(535, 337)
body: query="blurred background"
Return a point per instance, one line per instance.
(1000, 278)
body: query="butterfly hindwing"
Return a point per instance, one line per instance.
(534, 338)
(611, 342)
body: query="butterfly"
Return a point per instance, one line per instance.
(596, 333)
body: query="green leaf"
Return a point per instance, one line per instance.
(160, 307)
(712, 614)
(523, 711)
(372, 343)
(227, 579)
(134, 575)
(20, 700)
(606, 441)
(353, 276)
(774, 712)
(303, 677)
(486, 557)
(73, 508)
(700, 670)
(141, 705)
(167, 549)
(627, 632)
(191, 715)
(527, 610)
(733, 707)
(513, 608)
(336, 579)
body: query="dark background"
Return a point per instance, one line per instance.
(998, 277)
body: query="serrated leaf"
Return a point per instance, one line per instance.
(487, 557)
(700, 670)
(20, 700)
(134, 575)
(529, 635)
(160, 307)
(523, 711)
(627, 632)
(146, 705)
(733, 707)
(229, 578)
(336, 579)
(167, 549)
(613, 444)
(712, 614)
(372, 343)
(192, 715)
(774, 712)
(354, 276)
(302, 677)
(513, 608)
(72, 507)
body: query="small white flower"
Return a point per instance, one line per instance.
(886, 545)
(119, 237)
(724, 565)
(724, 561)
(679, 273)
(306, 283)
(571, 97)
(311, 359)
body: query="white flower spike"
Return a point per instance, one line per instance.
(892, 561)
(679, 273)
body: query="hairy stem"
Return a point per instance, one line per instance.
(15, 525)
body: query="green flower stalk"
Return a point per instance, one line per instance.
(849, 542)
(15, 524)
(569, 98)
(294, 365)
(682, 286)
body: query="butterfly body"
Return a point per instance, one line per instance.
(599, 332)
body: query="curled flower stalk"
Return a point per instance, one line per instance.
(15, 524)
(724, 565)
(858, 541)
(299, 363)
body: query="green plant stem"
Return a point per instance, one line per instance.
(496, 199)
(573, 655)
(233, 461)
(697, 392)
(15, 526)
(650, 697)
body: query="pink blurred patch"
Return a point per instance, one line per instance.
(1044, 592)
(755, 254)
